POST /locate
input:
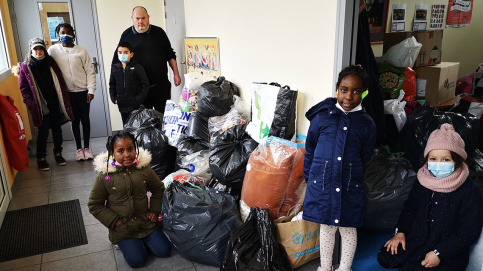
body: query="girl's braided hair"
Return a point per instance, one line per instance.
(356, 70)
(125, 135)
(66, 25)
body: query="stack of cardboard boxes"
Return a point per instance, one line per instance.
(436, 80)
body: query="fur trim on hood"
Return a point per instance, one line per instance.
(16, 69)
(101, 165)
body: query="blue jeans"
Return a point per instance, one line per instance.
(135, 252)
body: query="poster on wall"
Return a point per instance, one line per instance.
(459, 13)
(202, 56)
(52, 22)
(437, 17)
(398, 17)
(420, 17)
(376, 14)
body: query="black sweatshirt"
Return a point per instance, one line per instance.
(151, 50)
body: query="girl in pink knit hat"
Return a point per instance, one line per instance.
(442, 216)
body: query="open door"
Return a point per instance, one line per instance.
(176, 31)
(38, 18)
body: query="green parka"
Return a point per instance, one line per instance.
(124, 197)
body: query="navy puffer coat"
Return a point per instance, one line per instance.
(338, 146)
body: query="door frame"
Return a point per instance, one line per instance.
(6, 186)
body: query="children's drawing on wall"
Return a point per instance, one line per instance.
(202, 56)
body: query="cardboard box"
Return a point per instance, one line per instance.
(431, 51)
(437, 83)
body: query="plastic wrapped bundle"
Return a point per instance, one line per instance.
(198, 164)
(175, 122)
(388, 179)
(239, 114)
(215, 98)
(267, 175)
(198, 221)
(150, 137)
(295, 194)
(254, 246)
(229, 154)
(139, 116)
(188, 145)
(425, 120)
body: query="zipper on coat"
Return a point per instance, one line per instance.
(124, 79)
(323, 176)
(350, 176)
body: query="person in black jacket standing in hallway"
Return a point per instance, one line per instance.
(128, 85)
(153, 49)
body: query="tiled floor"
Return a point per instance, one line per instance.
(73, 181)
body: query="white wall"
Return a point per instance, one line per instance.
(290, 42)
(114, 17)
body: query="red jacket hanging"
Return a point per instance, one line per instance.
(14, 134)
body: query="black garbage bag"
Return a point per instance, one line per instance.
(198, 221)
(188, 145)
(285, 115)
(388, 178)
(424, 120)
(254, 246)
(215, 98)
(139, 116)
(150, 137)
(198, 127)
(229, 153)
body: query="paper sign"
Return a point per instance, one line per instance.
(398, 17)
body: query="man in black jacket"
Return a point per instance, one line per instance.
(153, 49)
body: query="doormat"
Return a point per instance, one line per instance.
(41, 229)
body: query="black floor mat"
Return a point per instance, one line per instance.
(41, 229)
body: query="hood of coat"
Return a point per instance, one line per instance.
(326, 104)
(16, 69)
(101, 165)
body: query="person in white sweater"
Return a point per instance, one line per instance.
(80, 78)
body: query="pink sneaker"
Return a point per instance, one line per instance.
(88, 154)
(79, 155)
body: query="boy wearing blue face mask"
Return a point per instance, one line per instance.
(442, 216)
(80, 78)
(128, 85)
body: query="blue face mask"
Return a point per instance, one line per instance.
(441, 169)
(67, 39)
(123, 58)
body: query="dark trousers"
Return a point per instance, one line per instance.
(80, 109)
(158, 95)
(50, 121)
(134, 250)
(125, 117)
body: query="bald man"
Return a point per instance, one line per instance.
(152, 49)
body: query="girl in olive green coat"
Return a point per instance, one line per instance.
(119, 199)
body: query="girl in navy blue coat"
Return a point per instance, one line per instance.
(340, 142)
(442, 216)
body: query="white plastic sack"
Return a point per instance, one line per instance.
(194, 80)
(396, 108)
(403, 54)
(198, 163)
(175, 122)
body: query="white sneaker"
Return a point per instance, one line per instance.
(88, 154)
(79, 155)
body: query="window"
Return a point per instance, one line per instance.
(4, 58)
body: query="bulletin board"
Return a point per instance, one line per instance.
(203, 56)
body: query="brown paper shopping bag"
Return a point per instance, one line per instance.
(299, 238)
